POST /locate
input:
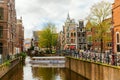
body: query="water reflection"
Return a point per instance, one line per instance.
(55, 74)
(70, 75)
(29, 72)
(48, 73)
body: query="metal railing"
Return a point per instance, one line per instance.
(105, 58)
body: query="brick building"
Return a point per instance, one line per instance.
(81, 36)
(27, 43)
(19, 36)
(116, 26)
(93, 40)
(8, 24)
(61, 41)
(69, 30)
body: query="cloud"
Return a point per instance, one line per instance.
(36, 13)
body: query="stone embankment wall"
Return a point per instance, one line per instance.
(5, 67)
(92, 70)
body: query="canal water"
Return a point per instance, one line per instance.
(26, 71)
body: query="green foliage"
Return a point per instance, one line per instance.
(48, 36)
(7, 63)
(100, 21)
(32, 48)
(53, 51)
(23, 55)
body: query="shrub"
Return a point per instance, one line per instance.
(23, 55)
(7, 63)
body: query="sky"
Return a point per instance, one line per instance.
(36, 13)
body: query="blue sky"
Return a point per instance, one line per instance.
(36, 13)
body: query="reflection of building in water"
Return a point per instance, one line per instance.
(48, 73)
(55, 74)
(70, 75)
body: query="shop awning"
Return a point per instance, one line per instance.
(72, 47)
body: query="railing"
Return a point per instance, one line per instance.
(51, 61)
(48, 60)
(106, 58)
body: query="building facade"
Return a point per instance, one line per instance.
(93, 37)
(19, 36)
(36, 36)
(116, 26)
(69, 30)
(81, 36)
(8, 28)
(27, 44)
(61, 41)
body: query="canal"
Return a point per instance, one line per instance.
(26, 71)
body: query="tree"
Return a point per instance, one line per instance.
(99, 13)
(48, 36)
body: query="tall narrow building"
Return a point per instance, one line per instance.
(116, 26)
(81, 36)
(69, 30)
(8, 28)
(19, 36)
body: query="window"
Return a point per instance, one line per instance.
(72, 41)
(71, 34)
(1, 31)
(74, 34)
(81, 30)
(68, 29)
(1, 13)
(109, 44)
(117, 37)
(78, 34)
(1, 48)
(118, 48)
(83, 35)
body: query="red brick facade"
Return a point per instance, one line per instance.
(93, 42)
(8, 28)
(116, 25)
(20, 35)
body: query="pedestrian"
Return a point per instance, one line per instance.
(8, 56)
(77, 53)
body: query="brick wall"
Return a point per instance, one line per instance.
(116, 22)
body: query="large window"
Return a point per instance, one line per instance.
(72, 41)
(1, 31)
(67, 35)
(118, 41)
(1, 13)
(118, 38)
(118, 48)
(78, 34)
(1, 48)
(71, 34)
(74, 34)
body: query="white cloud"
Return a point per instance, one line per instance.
(36, 13)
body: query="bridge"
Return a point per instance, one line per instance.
(51, 61)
